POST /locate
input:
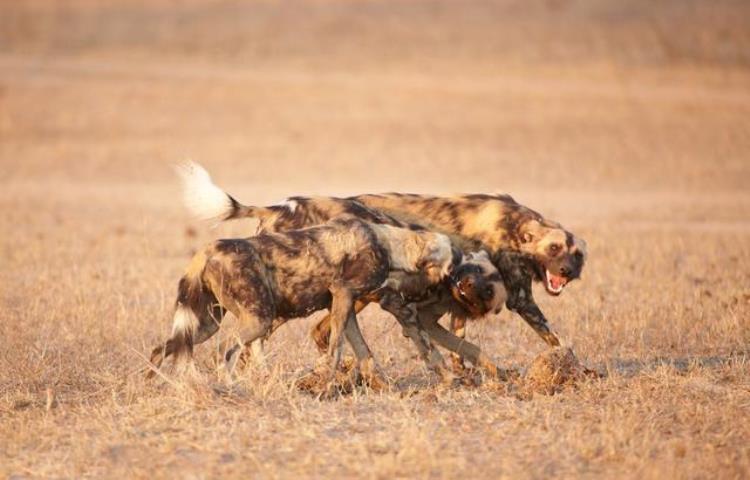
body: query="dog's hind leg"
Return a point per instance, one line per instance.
(208, 323)
(342, 310)
(367, 367)
(252, 327)
(158, 354)
(322, 330)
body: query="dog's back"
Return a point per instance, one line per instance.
(300, 266)
(472, 221)
(302, 212)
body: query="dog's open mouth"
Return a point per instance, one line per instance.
(554, 283)
(467, 303)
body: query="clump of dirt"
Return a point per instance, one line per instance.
(553, 370)
(317, 381)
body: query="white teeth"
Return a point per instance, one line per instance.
(549, 284)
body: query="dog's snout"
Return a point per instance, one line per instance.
(565, 271)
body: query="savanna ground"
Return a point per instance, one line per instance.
(629, 122)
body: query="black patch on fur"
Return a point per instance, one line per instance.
(511, 222)
(235, 208)
(569, 239)
(230, 246)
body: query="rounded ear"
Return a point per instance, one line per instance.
(527, 230)
(466, 282)
(457, 257)
(582, 247)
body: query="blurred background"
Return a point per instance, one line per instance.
(607, 116)
(545, 99)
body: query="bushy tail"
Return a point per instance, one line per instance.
(193, 301)
(206, 200)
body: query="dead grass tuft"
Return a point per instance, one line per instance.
(553, 370)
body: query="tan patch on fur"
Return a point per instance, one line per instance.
(195, 268)
(404, 246)
(337, 245)
(411, 250)
(485, 220)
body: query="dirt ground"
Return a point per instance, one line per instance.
(628, 122)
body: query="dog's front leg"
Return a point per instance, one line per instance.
(428, 319)
(534, 317)
(521, 301)
(517, 277)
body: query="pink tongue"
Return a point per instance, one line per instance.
(556, 282)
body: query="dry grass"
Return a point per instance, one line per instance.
(627, 122)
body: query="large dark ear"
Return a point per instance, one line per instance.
(458, 257)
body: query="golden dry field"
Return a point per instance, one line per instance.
(628, 122)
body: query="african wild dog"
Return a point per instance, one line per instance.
(523, 245)
(496, 223)
(280, 276)
(207, 200)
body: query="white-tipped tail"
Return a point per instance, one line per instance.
(184, 321)
(201, 195)
(183, 331)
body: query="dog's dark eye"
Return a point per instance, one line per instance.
(554, 249)
(489, 292)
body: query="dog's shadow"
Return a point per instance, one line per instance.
(621, 367)
(310, 382)
(629, 368)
